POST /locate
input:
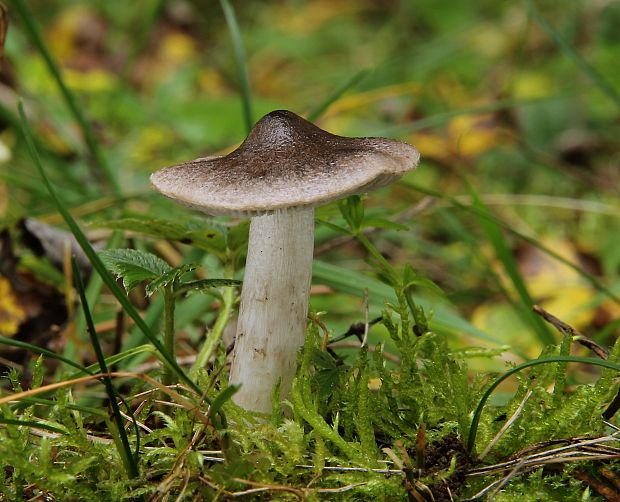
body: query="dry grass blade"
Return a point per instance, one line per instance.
(335, 468)
(506, 426)
(586, 450)
(578, 450)
(186, 403)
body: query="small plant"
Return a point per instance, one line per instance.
(135, 267)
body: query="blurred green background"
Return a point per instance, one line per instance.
(513, 106)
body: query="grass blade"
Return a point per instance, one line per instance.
(588, 70)
(33, 424)
(471, 440)
(124, 449)
(40, 350)
(111, 284)
(29, 401)
(121, 356)
(220, 399)
(240, 59)
(93, 291)
(349, 84)
(87, 130)
(97, 263)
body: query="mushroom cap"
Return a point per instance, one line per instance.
(285, 162)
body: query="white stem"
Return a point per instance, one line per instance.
(274, 305)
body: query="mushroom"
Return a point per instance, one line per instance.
(285, 168)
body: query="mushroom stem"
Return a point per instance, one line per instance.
(274, 305)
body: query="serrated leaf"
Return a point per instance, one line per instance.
(323, 360)
(203, 234)
(169, 277)
(133, 266)
(327, 380)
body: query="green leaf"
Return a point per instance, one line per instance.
(413, 279)
(100, 267)
(237, 236)
(201, 233)
(445, 317)
(133, 266)
(327, 372)
(334, 227)
(205, 284)
(220, 399)
(88, 132)
(383, 223)
(120, 438)
(322, 359)
(40, 350)
(569, 51)
(352, 211)
(505, 256)
(169, 277)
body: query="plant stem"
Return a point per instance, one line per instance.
(216, 333)
(169, 304)
(376, 254)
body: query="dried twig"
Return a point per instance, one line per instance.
(567, 329)
(607, 492)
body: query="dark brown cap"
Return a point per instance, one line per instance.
(286, 162)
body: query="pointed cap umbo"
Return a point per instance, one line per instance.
(285, 162)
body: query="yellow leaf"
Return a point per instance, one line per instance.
(212, 83)
(150, 143)
(363, 99)
(532, 85)
(466, 137)
(304, 19)
(571, 305)
(11, 313)
(473, 135)
(61, 36)
(432, 146)
(92, 81)
(177, 48)
(489, 40)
